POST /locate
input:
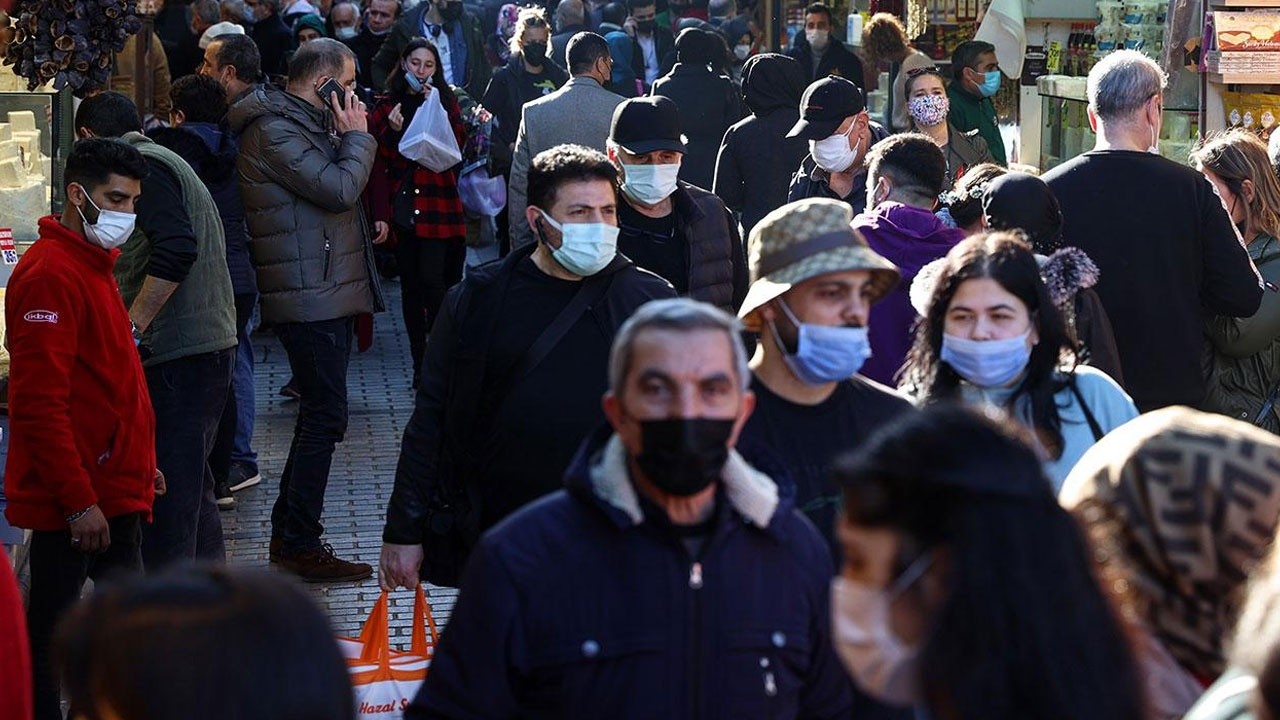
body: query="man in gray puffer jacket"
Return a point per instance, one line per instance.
(304, 161)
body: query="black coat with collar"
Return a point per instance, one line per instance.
(837, 60)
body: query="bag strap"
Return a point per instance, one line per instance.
(375, 646)
(1267, 405)
(1094, 427)
(593, 288)
(423, 622)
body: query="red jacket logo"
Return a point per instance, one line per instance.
(41, 316)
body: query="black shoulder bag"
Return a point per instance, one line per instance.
(453, 512)
(1094, 427)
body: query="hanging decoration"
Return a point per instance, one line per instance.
(69, 42)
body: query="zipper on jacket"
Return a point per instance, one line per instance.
(695, 584)
(328, 254)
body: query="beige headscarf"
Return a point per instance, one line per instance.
(1180, 506)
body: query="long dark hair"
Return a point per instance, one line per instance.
(1006, 258)
(397, 86)
(1023, 628)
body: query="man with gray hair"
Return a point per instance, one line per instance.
(204, 15)
(1158, 232)
(344, 20)
(668, 571)
(301, 186)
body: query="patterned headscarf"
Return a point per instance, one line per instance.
(507, 17)
(1180, 506)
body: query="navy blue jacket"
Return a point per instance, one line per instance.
(581, 605)
(211, 151)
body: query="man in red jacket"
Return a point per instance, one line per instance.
(82, 465)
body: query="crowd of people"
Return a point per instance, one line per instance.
(768, 408)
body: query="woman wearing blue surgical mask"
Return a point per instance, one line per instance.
(965, 590)
(992, 336)
(422, 206)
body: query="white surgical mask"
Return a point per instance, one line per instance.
(817, 38)
(881, 663)
(833, 154)
(987, 363)
(585, 248)
(650, 184)
(741, 51)
(346, 33)
(113, 228)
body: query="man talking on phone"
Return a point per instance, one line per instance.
(305, 156)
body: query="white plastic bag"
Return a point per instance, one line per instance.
(482, 195)
(429, 139)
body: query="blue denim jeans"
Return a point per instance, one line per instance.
(242, 385)
(187, 395)
(224, 444)
(319, 353)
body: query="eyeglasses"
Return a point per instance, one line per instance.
(917, 72)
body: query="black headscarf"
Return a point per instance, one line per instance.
(771, 81)
(1019, 201)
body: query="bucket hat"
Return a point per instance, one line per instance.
(803, 240)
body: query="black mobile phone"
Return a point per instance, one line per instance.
(333, 86)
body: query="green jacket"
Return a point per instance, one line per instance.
(1243, 357)
(200, 316)
(410, 26)
(969, 112)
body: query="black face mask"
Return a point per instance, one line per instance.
(535, 53)
(646, 26)
(682, 456)
(450, 11)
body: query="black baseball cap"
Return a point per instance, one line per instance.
(642, 125)
(824, 105)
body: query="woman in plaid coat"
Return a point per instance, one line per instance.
(421, 205)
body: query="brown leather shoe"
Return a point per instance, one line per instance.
(320, 564)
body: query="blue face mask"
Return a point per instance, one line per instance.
(824, 354)
(415, 85)
(987, 363)
(990, 83)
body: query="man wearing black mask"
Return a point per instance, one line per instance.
(653, 42)
(667, 562)
(457, 36)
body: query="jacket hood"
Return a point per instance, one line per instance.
(771, 82)
(209, 150)
(271, 100)
(599, 474)
(909, 237)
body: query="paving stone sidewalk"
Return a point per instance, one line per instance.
(380, 400)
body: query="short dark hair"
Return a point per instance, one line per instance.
(199, 97)
(822, 8)
(240, 52)
(614, 13)
(566, 163)
(93, 161)
(108, 114)
(633, 4)
(231, 624)
(584, 50)
(322, 56)
(967, 53)
(912, 161)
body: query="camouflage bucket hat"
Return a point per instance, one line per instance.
(803, 240)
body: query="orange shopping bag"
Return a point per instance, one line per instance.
(384, 679)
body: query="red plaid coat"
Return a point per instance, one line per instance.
(437, 209)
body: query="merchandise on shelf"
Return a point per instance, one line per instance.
(1251, 31)
(24, 172)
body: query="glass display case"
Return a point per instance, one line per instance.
(35, 136)
(1065, 131)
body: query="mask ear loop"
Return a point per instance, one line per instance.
(910, 576)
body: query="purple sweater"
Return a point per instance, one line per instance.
(910, 238)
